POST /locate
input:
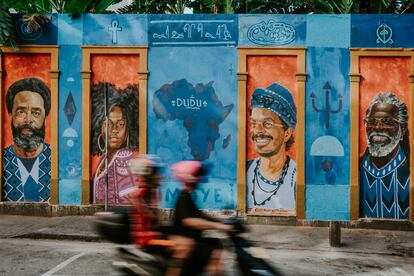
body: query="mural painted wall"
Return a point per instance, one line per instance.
(70, 110)
(26, 156)
(193, 112)
(192, 102)
(384, 138)
(328, 117)
(271, 166)
(114, 126)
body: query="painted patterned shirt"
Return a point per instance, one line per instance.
(263, 193)
(23, 184)
(384, 192)
(120, 181)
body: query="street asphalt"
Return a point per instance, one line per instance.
(81, 228)
(295, 249)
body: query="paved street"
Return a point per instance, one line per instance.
(50, 257)
(47, 257)
(71, 246)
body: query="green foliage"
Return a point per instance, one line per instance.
(274, 6)
(323, 6)
(336, 6)
(35, 21)
(74, 7)
(7, 33)
(213, 6)
(177, 7)
(155, 6)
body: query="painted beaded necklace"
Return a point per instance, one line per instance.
(276, 183)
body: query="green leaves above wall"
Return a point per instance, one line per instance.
(7, 35)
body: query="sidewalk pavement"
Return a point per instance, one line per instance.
(363, 241)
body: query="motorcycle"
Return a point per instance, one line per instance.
(114, 226)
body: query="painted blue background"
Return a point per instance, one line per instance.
(327, 65)
(324, 30)
(363, 33)
(327, 202)
(70, 148)
(169, 139)
(134, 29)
(46, 35)
(297, 21)
(70, 30)
(181, 24)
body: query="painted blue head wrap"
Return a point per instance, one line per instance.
(278, 99)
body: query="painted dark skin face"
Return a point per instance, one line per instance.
(117, 129)
(267, 132)
(383, 128)
(28, 109)
(383, 118)
(27, 119)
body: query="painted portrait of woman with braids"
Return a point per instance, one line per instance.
(122, 140)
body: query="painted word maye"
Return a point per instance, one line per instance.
(271, 33)
(189, 103)
(202, 194)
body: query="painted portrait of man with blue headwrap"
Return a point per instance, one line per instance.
(271, 177)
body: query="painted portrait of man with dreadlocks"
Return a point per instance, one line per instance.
(122, 140)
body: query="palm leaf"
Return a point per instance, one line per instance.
(104, 4)
(35, 21)
(7, 33)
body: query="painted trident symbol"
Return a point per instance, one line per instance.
(327, 110)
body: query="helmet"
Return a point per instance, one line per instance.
(189, 171)
(146, 165)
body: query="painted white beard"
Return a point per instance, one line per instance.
(381, 151)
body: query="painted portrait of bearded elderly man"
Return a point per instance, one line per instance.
(385, 166)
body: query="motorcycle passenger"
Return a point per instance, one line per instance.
(145, 230)
(144, 219)
(190, 221)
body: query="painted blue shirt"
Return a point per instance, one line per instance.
(23, 185)
(384, 192)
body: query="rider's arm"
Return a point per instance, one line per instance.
(203, 224)
(191, 217)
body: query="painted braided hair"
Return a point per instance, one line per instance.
(126, 99)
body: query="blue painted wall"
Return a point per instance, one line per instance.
(272, 30)
(114, 30)
(193, 66)
(327, 117)
(70, 110)
(382, 31)
(199, 53)
(328, 124)
(192, 30)
(46, 35)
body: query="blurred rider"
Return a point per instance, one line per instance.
(189, 221)
(144, 219)
(145, 230)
